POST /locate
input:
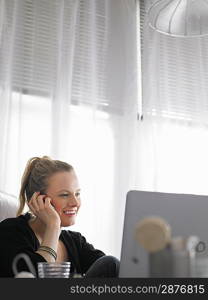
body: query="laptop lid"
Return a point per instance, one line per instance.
(186, 214)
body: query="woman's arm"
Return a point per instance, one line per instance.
(48, 223)
(50, 239)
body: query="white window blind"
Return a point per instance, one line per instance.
(29, 44)
(39, 36)
(175, 73)
(90, 57)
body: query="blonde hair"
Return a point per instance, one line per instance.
(36, 175)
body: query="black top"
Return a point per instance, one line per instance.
(17, 236)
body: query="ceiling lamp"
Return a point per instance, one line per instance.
(183, 18)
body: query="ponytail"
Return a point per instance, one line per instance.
(24, 183)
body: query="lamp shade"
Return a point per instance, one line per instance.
(185, 18)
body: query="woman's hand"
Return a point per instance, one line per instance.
(41, 206)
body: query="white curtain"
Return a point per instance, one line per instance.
(173, 135)
(68, 89)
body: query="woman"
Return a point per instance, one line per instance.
(51, 190)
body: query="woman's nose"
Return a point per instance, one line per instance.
(74, 201)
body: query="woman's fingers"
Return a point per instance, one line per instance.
(42, 207)
(40, 201)
(37, 201)
(31, 202)
(48, 202)
(33, 197)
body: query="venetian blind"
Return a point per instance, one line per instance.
(38, 37)
(29, 46)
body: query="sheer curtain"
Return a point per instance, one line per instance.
(68, 89)
(173, 134)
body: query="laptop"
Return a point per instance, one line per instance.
(186, 214)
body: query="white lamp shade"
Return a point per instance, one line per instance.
(185, 18)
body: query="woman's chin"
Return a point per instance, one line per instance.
(66, 223)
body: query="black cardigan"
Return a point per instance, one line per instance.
(16, 236)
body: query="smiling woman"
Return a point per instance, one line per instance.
(51, 190)
(63, 188)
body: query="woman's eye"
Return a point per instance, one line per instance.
(64, 195)
(69, 195)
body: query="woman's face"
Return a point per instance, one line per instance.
(63, 189)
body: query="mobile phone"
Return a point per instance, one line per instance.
(42, 193)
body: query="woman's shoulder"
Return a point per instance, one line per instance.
(17, 229)
(14, 223)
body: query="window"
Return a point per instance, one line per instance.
(173, 134)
